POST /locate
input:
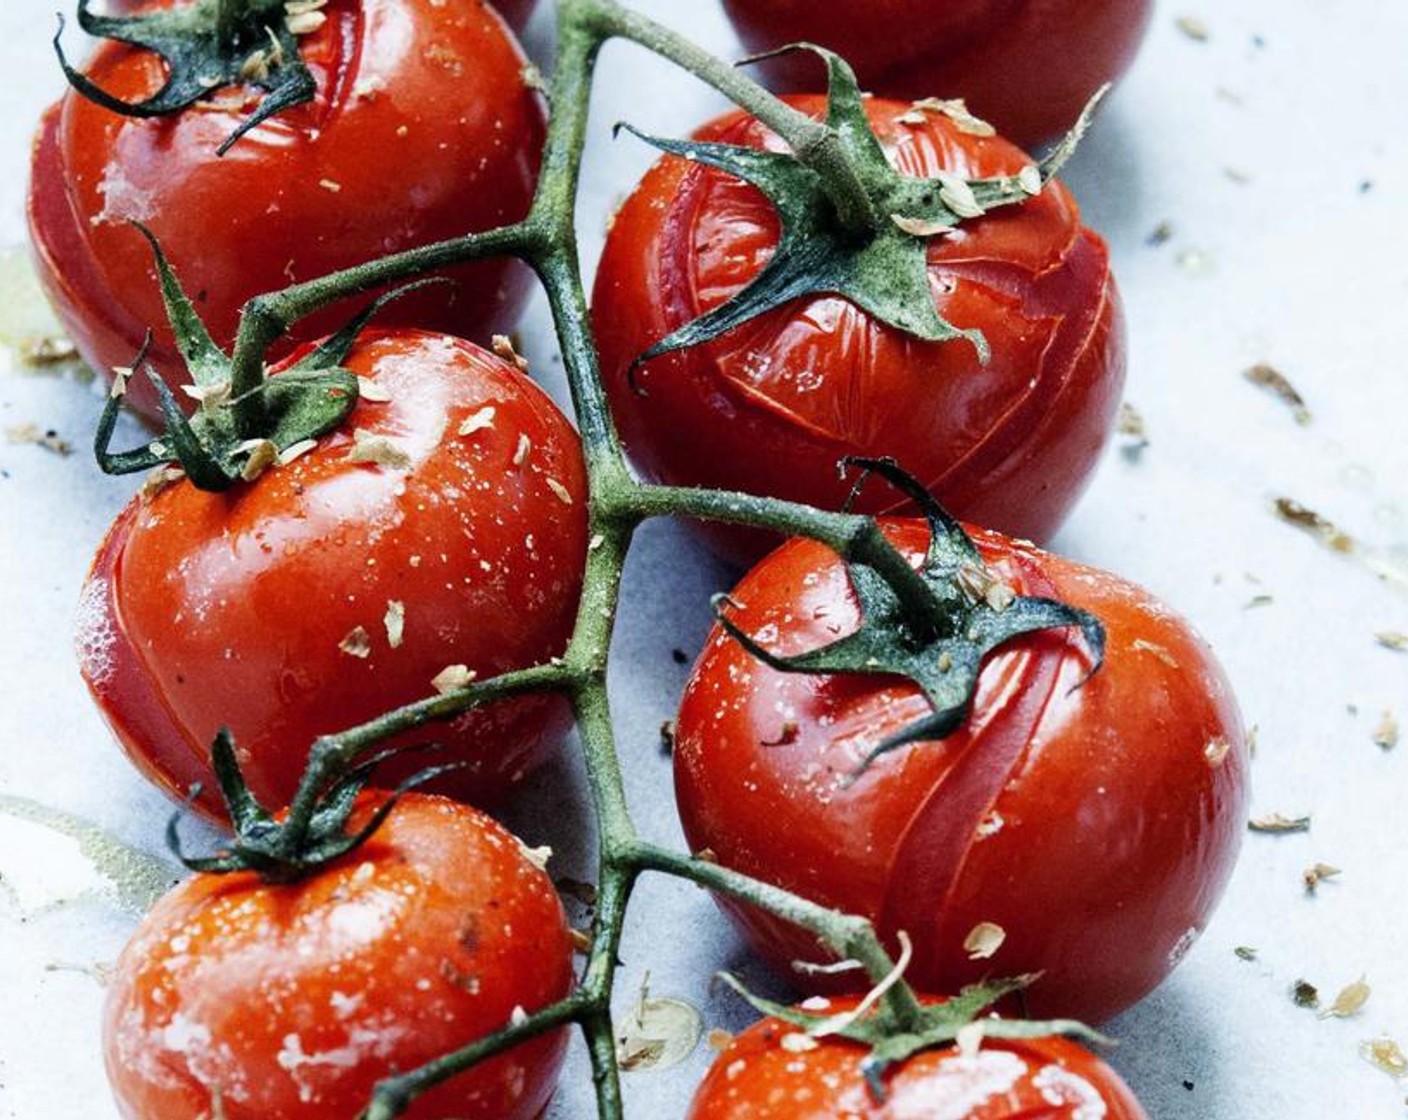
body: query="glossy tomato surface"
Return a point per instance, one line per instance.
(1028, 66)
(770, 407)
(341, 585)
(1093, 824)
(760, 1077)
(422, 129)
(251, 1001)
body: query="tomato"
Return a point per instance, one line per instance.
(1093, 824)
(242, 999)
(330, 590)
(435, 90)
(770, 407)
(1029, 68)
(758, 1077)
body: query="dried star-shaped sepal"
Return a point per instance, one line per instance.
(206, 45)
(883, 270)
(890, 1040)
(303, 402)
(970, 614)
(282, 850)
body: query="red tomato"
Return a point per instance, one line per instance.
(433, 90)
(244, 999)
(1028, 67)
(770, 407)
(759, 1078)
(1094, 826)
(330, 590)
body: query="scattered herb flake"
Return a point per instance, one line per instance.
(955, 109)
(1392, 639)
(46, 438)
(452, 678)
(505, 349)
(719, 1040)
(395, 622)
(1268, 377)
(1350, 1001)
(1245, 953)
(378, 450)
(1316, 874)
(1386, 733)
(1387, 1055)
(560, 492)
(1130, 424)
(1279, 823)
(658, 1032)
(478, 421)
(921, 227)
(372, 391)
(1293, 513)
(1161, 234)
(1194, 28)
(1216, 751)
(667, 737)
(358, 643)
(983, 940)
(47, 351)
(1305, 994)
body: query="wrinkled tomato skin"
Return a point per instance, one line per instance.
(238, 609)
(1096, 823)
(1027, 67)
(772, 406)
(291, 1001)
(422, 129)
(759, 1078)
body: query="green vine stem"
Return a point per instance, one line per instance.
(546, 239)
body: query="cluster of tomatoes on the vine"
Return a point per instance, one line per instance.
(1078, 824)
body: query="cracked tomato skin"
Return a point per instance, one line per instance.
(758, 1078)
(244, 609)
(290, 1001)
(1029, 67)
(300, 196)
(1096, 823)
(771, 407)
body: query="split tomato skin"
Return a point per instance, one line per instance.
(759, 1078)
(772, 406)
(1028, 68)
(330, 590)
(1094, 821)
(248, 1000)
(302, 195)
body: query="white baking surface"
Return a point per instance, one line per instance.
(1277, 151)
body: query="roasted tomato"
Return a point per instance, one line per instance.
(1028, 67)
(435, 89)
(760, 1076)
(1082, 829)
(770, 407)
(244, 999)
(444, 525)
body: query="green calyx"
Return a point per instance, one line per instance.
(892, 1038)
(940, 648)
(881, 267)
(288, 849)
(305, 401)
(206, 46)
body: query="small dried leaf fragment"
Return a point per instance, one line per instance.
(372, 391)
(358, 643)
(1194, 28)
(983, 940)
(1324, 530)
(1305, 994)
(1156, 650)
(1317, 873)
(1350, 1001)
(1386, 733)
(379, 450)
(1395, 640)
(452, 678)
(1268, 377)
(263, 454)
(921, 227)
(795, 1042)
(505, 349)
(1245, 953)
(719, 1040)
(538, 857)
(1387, 1055)
(1279, 823)
(478, 421)
(657, 1033)
(395, 622)
(1216, 751)
(559, 491)
(46, 438)
(955, 109)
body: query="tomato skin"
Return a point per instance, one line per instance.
(207, 610)
(771, 407)
(1096, 825)
(758, 1078)
(294, 1000)
(1027, 67)
(300, 196)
